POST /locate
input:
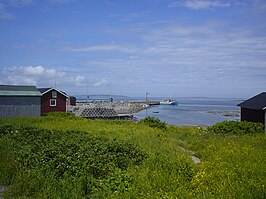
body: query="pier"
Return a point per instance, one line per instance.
(113, 110)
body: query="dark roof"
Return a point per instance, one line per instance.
(10, 90)
(257, 102)
(43, 90)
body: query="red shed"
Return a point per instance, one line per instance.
(53, 100)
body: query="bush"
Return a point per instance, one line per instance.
(235, 127)
(153, 122)
(68, 155)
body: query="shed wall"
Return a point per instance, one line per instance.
(14, 106)
(253, 115)
(60, 103)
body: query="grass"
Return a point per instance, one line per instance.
(67, 157)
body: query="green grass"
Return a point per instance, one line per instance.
(61, 156)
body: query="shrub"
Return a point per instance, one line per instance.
(69, 155)
(153, 122)
(235, 127)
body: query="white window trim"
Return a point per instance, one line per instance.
(51, 102)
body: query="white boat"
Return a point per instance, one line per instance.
(168, 102)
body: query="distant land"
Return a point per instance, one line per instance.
(124, 97)
(101, 97)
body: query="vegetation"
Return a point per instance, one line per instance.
(234, 127)
(153, 122)
(62, 156)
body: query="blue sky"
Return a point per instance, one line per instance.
(211, 48)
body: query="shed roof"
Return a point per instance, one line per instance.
(10, 90)
(257, 102)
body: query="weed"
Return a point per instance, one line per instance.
(235, 127)
(63, 155)
(153, 122)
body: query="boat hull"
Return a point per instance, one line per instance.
(168, 103)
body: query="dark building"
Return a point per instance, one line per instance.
(73, 101)
(254, 109)
(53, 100)
(19, 101)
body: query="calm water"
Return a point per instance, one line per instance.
(195, 111)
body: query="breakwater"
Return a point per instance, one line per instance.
(119, 109)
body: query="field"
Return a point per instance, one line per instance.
(62, 156)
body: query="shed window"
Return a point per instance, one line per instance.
(54, 94)
(52, 102)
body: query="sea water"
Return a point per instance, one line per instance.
(195, 111)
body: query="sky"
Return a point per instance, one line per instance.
(177, 48)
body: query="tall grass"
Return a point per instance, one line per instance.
(232, 165)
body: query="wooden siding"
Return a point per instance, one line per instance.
(252, 115)
(61, 103)
(15, 106)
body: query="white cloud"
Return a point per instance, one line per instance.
(78, 80)
(39, 76)
(130, 17)
(100, 82)
(126, 48)
(200, 4)
(39, 71)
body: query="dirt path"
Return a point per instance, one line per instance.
(192, 154)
